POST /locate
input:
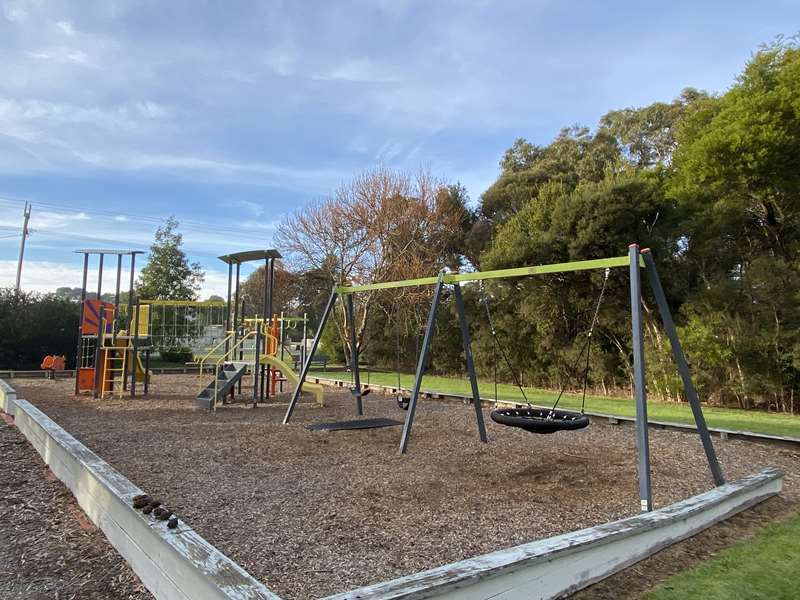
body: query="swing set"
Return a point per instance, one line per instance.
(535, 420)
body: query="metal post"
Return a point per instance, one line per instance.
(467, 341)
(135, 350)
(421, 364)
(236, 323)
(307, 363)
(130, 292)
(683, 367)
(228, 307)
(116, 301)
(269, 279)
(257, 364)
(100, 277)
(236, 307)
(271, 286)
(101, 324)
(130, 318)
(281, 334)
(80, 323)
(98, 347)
(351, 318)
(642, 439)
(263, 382)
(146, 372)
(305, 338)
(266, 307)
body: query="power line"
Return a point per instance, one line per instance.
(88, 238)
(186, 224)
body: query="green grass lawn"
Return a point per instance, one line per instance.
(724, 418)
(766, 567)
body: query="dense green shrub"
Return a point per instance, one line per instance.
(35, 325)
(176, 354)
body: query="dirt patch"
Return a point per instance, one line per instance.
(48, 548)
(314, 513)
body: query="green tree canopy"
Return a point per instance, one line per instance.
(168, 275)
(736, 177)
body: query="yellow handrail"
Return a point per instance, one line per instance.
(224, 358)
(200, 373)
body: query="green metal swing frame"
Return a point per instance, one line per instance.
(635, 260)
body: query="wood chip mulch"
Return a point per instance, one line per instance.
(315, 513)
(48, 547)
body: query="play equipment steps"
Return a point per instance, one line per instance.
(227, 377)
(114, 371)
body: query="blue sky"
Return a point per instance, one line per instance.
(229, 115)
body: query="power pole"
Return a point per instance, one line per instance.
(26, 218)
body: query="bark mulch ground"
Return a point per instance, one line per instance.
(48, 547)
(314, 513)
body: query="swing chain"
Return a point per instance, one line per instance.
(499, 346)
(586, 348)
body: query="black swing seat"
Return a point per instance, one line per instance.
(364, 391)
(403, 401)
(540, 420)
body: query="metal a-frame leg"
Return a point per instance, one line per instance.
(473, 380)
(351, 317)
(421, 364)
(683, 367)
(642, 436)
(307, 364)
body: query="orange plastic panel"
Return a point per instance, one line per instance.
(91, 316)
(85, 379)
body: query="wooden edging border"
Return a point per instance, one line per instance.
(566, 563)
(173, 564)
(787, 441)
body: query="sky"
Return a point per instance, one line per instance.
(116, 114)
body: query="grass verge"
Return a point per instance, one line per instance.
(723, 418)
(765, 567)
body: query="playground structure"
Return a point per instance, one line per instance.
(546, 567)
(185, 325)
(116, 340)
(111, 342)
(253, 345)
(535, 420)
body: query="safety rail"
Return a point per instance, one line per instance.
(208, 355)
(226, 357)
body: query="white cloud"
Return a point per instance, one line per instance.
(254, 208)
(390, 150)
(65, 27)
(62, 55)
(216, 283)
(358, 70)
(47, 276)
(14, 14)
